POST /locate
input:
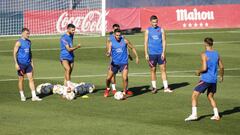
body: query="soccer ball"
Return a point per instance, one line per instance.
(45, 88)
(38, 89)
(70, 95)
(118, 95)
(58, 89)
(91, 87)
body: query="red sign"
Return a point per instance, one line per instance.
(171, 18)
(50, 22)
(194, 17)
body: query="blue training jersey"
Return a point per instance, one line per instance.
(119, 51)
(210, 76)
(64, 53)
(24, 54)
(155, 41)
(111, 37)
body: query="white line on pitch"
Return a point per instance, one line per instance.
(130, 74)
(57, 36)
(99, 47)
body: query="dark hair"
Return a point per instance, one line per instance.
(153, 17)
(208, 41)
(116, 25)
(25, 29)
(70, 26)
(117, 30)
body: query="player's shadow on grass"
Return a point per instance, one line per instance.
(176, 86)
(41, 95)
(139, 90)
(222, 114)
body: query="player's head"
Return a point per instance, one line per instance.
(208, 41)
(25, 33)
(154, 20)
(115, 26)
(117, 34)
(71, 29)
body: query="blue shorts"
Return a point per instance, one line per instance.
(115, 68)
(155, 59)
(203, 86)
(69, 61)
(24, 69)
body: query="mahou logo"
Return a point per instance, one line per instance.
(200, 18)
(87, 22)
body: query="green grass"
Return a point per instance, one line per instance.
(144, 113)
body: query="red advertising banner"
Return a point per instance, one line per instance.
(171, 18)
(194, 17)
(50, 22)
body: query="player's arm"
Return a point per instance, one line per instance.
(109, 48)
(164, 44)
(130, 46)
(204, 65)
(146, 45)
(71, 49)
(15, 50)
(129, 55)
(31, 58)
(221, 69)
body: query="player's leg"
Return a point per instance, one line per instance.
(71, 69)
(152, 64)
(21, 73)
(108, 81)
(69, 83)
(125, 79)
(164, 77)
(113, 82)
(124, 71)
(200, 88)
(20, 87)
(193, 116)
(29, 73)
(210, 95)
(195, 96)
(67, 71)
(214, 106)
(153, 79)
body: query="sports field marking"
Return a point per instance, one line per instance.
(130, 74)
(99, 47)
(13, 37)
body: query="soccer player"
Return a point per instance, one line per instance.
(209, 73)
(118, 50)
(66, 54)
(155, 52)
(24, 64)
(111, 37)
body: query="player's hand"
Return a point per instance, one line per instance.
(221, 79)
(79, 45)
(197, 73)
(137, 60)
(17, 67)
(147, 57)
(163, 56)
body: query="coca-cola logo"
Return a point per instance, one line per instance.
(84, 22)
